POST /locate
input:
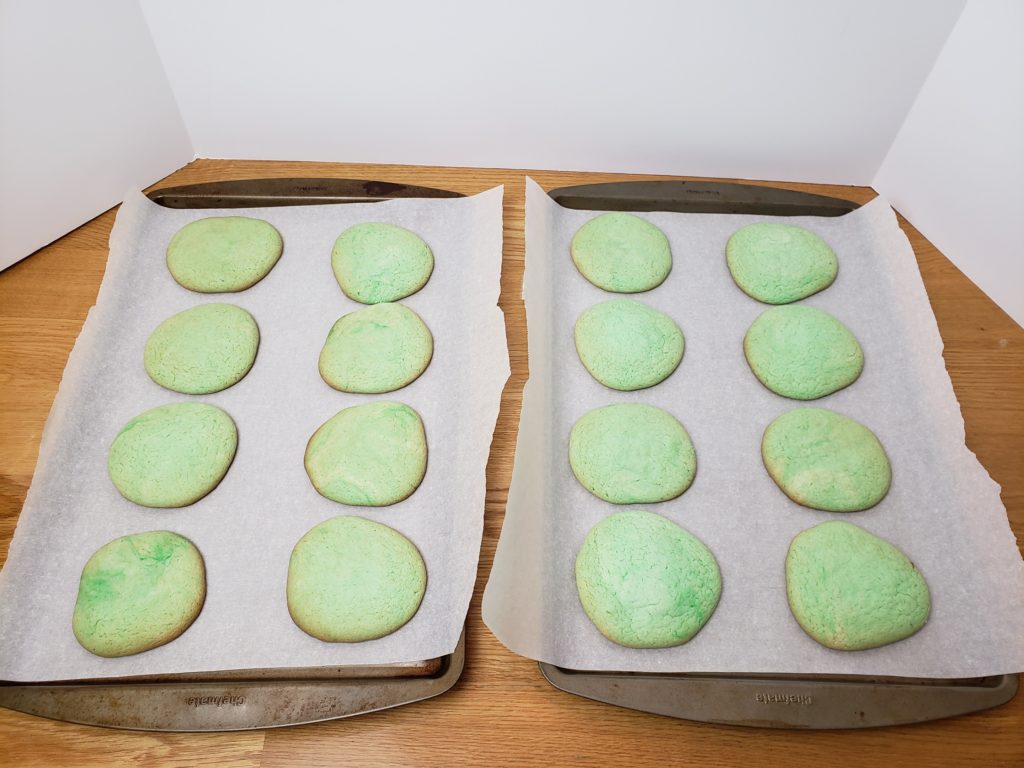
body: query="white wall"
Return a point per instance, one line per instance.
(86, 113)
(956, 168)
(792, 89)
(810, 90)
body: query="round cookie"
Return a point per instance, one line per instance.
(826, 461)
(801, 352)
(223, 254)
(202, 350)
(627, 345)
(376, 349)
(622, 253)
(368, 455)
(138, 592)
(851, 590)
(779, 263)
(172, 455)
(645, 582)
(378, 262)
(631, 453)
(351, 579)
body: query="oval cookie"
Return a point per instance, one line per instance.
(627, 345)
(138, 592)
(222, 254)
(779, 263)
(351, 579)
(379, 348)
(801, 352)
(172, 455)
(622, 253)
(826, 461)
(851, 590)
(368, 455)
(631, 453)
(645, 582)
(378, 262)
(202, 350)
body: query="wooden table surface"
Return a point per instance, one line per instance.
(502, 711)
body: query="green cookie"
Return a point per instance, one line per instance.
(379, 348)
(622, 253)
(378, 262)
(352, 579)
(779, 263)
(801, 352)
(645, 582)
(138, 592)
(203, 349)
(630, 453)
(223, 254)
(627, 345)
(826, 461)
(368, 455)
(851, 590)
(172, 455)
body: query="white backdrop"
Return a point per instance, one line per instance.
(91, 101)
(956, 168)
(790, 89)
(85, 114)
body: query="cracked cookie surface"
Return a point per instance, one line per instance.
(622, 253)
(627, 345)
(632, 453)
(138, 592)
(801, 352)
(851, 590)
(645, 582)
(778, 263)
(223, 254)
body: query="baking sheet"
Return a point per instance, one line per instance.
(248, 525)
(943, 509)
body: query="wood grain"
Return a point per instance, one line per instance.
(502, 711)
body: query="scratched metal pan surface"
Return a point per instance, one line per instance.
(251, 698)
(767, 701)
(237, 700)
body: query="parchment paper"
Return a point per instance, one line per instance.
(943, 510)
(248, 525)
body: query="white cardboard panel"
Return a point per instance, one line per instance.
(955, 168)
(793, 89)
(86, 112)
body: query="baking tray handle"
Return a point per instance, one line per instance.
(788, 702)
(235, 705)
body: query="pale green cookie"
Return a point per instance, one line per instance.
(645, 582)
(630, 453)
(368, 455)
(203, 349)
(351, 579)
(826, 461)
(801, 352)
(221, 254)
(628, 345)
(138, 592)
(851, 590)
(622, 253)
(376, 349)
(172, 455)
(779, 263)
(378, 262)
